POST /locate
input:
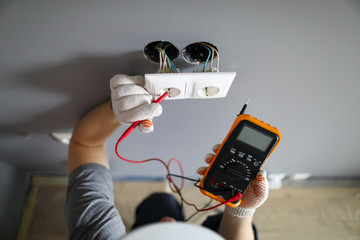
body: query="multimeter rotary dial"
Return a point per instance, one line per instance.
(236, 170)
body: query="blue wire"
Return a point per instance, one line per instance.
(171, 64)
(173, 67)
(207, 57)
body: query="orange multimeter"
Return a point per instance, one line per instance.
(240, 157)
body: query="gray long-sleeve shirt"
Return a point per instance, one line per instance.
(90, 211)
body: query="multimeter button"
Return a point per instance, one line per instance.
(232, 150)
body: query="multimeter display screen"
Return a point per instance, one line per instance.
(255, 138)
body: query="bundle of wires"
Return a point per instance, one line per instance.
(211, 54)
(166, 65)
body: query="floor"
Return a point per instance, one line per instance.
(309, 210)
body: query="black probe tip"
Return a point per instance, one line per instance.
(244, 107)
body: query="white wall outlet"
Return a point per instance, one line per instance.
(202, 85)
(157, 84)
(205, 88)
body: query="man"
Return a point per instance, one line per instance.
(90, 210)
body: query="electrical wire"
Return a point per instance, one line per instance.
(174, 188)
(235, 195)
(204, 208)
(186, 178)
(209, 55)
(172, 184)
(166, 65)
(213, 49)
(197, 212)
(160, 60)
(218, 60)
(161, 56)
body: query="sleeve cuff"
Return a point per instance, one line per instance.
(239, 211)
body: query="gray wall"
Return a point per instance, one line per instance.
(13, 186)
(297, 60)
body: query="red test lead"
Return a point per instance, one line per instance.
(172, 185)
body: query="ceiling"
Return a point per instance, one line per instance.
(298, 61)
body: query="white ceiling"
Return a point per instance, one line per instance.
(299, 61)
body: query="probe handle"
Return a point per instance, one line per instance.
(134, 125)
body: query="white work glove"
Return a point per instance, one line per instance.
(254, 196)
(131, 102)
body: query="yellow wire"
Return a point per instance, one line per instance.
(164, 56)
(212, 58)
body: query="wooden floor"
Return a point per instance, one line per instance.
(306, 211)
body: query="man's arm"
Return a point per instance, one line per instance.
(88, 142)
(130, 101)
(237, 222)
(233, 227)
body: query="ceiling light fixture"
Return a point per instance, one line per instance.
(62, 137)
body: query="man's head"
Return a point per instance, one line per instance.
(172, 230)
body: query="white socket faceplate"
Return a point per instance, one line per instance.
(204, 85)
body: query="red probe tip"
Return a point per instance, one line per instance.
(162, 97)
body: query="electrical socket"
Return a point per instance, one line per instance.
(204, 85)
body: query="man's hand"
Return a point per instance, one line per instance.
(236, 222)
(131, 102)
(254, 196)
